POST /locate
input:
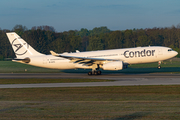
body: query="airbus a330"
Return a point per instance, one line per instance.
(115, 59)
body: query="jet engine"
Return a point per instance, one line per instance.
(117, 65)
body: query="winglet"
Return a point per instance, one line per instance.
(53, 53)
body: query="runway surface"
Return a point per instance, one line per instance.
(120, 79)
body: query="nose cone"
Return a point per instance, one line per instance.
(175, 53)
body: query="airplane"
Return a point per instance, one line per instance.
(114, 59)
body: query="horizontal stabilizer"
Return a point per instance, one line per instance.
(25, 60)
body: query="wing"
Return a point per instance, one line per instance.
(84, 60)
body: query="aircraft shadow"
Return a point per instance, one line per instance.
(131, 70)
(132, 116)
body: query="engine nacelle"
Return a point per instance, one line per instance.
(118, 65)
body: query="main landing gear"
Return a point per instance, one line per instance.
(94, 72)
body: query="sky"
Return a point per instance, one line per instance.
(65, 15)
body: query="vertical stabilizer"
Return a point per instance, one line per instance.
(21, 48)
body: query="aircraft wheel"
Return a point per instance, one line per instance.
(89, 73)
(95, 73)
(159, 67)
(99, 72)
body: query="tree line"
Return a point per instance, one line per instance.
(45, 38)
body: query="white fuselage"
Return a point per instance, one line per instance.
(127, 55)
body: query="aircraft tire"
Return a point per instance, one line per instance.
(89, 73)
(95, 73)
(99, 72)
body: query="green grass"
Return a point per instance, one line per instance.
(109, 103)
(14, 67)
(38, 80)
(170, 66)
(168, 63)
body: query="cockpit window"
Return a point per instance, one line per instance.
(169, 49)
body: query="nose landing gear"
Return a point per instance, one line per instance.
(159, 65)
